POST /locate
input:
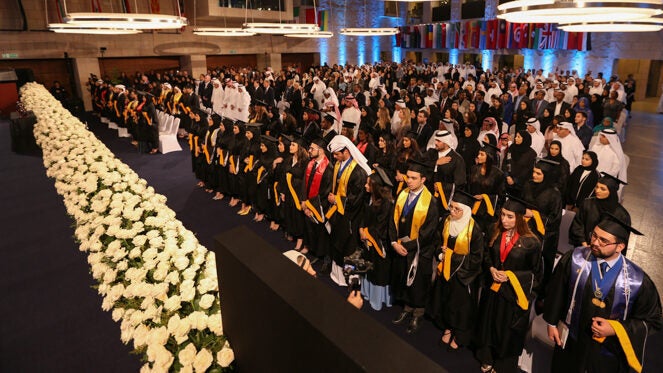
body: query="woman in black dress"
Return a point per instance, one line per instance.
(278, 181)
(513, 261)
(225, 141)
(468, 146)
(374, 233)
(582, 181)
(605, 199)
(453, 301)
(235, 162)
(518, 162)
(249, 159)
(562, 170)
(486, 184)
(293, 191)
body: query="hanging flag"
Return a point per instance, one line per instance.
(502, 33)
(60, 10)
(491, 33)
(423, 35)
(155, 7)
(295, 12)
(457, 27)
(310, 15)
(436, 35)
(583, 41)
(96, 6)
(536, 36)
(443, 35)
(399, 37)
(554, 35)
(476, 34)
(127, 6)
(429, 41)
(524, 36)
(545, 34)
(323, 20)
(462, 36)
(483, 34)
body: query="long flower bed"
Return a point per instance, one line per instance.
(158, 281)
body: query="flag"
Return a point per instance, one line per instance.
(554, 35)
(457, 30)
(423, 36)
(96, 6)
(524, 36)
(451, 35)
(514, 36)
(476, 34)
(127, 6)
(545, 34)
(399, 37)
(443, 35)
(309, 15)
(460, 38)
(323, 20)
(583, 41)
(536, 35)
(491, 33)
(60, 9)
(502, 32)
(483, 35)
(429, 40)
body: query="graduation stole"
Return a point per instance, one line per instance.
(196, 146)
(276, 194)
(362, 146)
(249, 164)
(489, 205)
(439, 193)
(147, 118)
(190, 141)
(295, 198)
(461, 247)
(163, 95)
(341, 187)
(626, 289)
(521, 298)
(372, 242)
(314, 189)
(208, 158)
(420, 211)
(261, 171)
(222, 158)
(540, 227)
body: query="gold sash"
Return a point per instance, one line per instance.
(625, 343)
(420, 211)
(288, 179)
(489, 205)
(439, 193)
(539, 222)
(461, 247)
(521, 299)
(341, 191)
(249, 164)
(372, 242)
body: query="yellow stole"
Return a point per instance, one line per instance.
(249, 164)
(461, 247)
(420, 211)
(222, 158)
(439, 192)
(539, 222)
(208, 158)
(372, 242)
(295, 198)
(625, 343)
(489, 205)
(261, 170)
(314, 211)
(521, 298)
(341, 188)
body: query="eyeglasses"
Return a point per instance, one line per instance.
(602, 241)
(455, 209)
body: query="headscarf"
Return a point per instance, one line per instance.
(518, 149)
(616, 146)
(340, 142)
(446, 136)
(600, 127)
(558, 157)
(457, 226)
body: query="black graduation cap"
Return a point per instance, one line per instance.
(286, 140)
(265, 139)
(464, 198)
(418, 166)
(386, 136)
(314, 111)
(347, 124)
(261, 103)
(546, 165)
(329, 118)
(320, 142)
(299, 139)
(412, 134)
(610, 181)
(489, 149)
(381, 175)
(254, 127)
(615, 226)
(516, 205)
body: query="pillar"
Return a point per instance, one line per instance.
(83, 67)
(272, 60)
(195, 63)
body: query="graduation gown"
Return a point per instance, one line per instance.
(448, 177)
(423, 247)
(224, 144)
(249, 169)
(582, 353)
(579, 188)
(345, 226)
(588, 216)
(453, 302)
(292, 213)
(492, 184)
(316, 237)
(376, 223)
(502, 323)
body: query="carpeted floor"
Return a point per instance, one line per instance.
(52, 318)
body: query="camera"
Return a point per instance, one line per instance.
(353, 266)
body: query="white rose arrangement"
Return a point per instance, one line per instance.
(155, 278)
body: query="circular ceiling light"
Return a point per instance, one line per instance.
(126, 20)
(313, 35)
(222, 31)
(378, 31)
(65, 28)
(281, 28)
(565, 11)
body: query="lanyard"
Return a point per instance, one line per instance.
(603, 282)
(409, 205)
(340, 170)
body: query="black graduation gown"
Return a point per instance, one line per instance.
(453, 303)
(417, 294)
(549, 204)
(519, 167)
(237, 178)
(152, 137)
(386, 160)
(585, 354)
(224, 143)
(211, 175)
(293, 216)
(376, 221)
(263, 194)
(588, 216)
(370, 152)
(344, 234)
(248, 176)
(491, 184)
(279, 187)
(578, 189)
(468, 148)
(502, 324)
(316, 237)
(452, 175)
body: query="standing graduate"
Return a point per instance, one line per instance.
(317, 186)
(249, 159)
(375, 235)
(213, 133)
(414, 236)
(235, 162)
(486, 184)
(513, 260)
(225, 142)
(606, 304)
(346, 200)
(293, 193)
(263, 204)
(582, 181)
(453, 303)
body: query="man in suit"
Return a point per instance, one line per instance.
(558, 106)
(205, 91)
(539, 104)
(423, 129)
(522, 95)
(268, 93)
(482, 106)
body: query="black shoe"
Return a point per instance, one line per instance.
(401, 318)
(414, 325)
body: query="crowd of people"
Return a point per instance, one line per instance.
(450, 180)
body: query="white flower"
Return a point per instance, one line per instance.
(226, 356)
(187, 355)
(117, 314)
(207, 284)
(173, 303)
(215, 324)
(161, 357)
(187, 291)
(181, 262)
(198, 320)
(141, 334)
(203, 360)
(173, 278)
(206, 301)
(158, 336)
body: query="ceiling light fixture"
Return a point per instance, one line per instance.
(281, 28)
(378, 31)
(640, 25)
(222, 31)
(126, 20)
(573, 11)
(65, 28)
(313, 35)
